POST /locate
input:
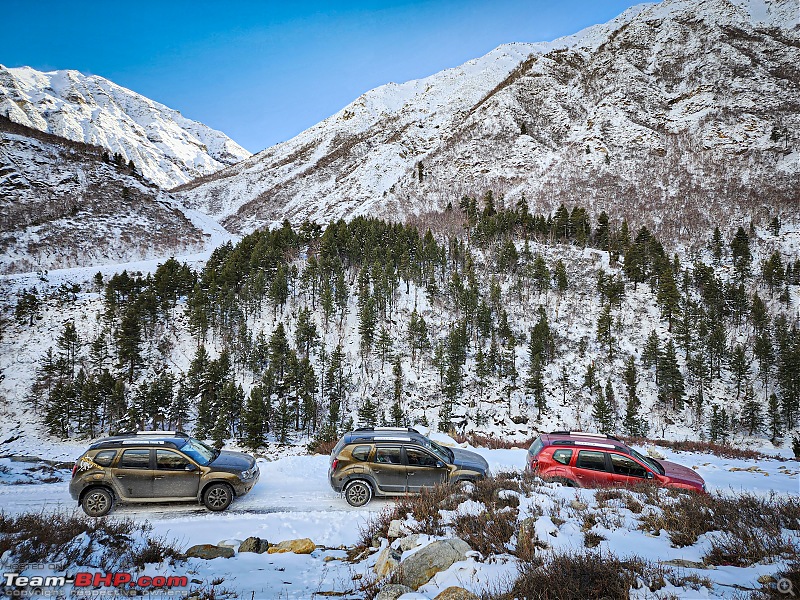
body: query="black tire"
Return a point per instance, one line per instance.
(97, 502)
(358, 493)
(563, 481)
(217, 496)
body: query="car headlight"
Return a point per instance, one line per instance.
(249, 473)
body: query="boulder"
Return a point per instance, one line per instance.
(254, 544)
(392, 591)
(409, 542)
(418, 568)
(387, 561)
(209, 552)
(578, 505)
(397, 529)
(229, 543)
(301, 546)
(456, 593)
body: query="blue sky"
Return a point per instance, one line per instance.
(264, 71)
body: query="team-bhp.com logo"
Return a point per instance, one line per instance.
(26, 585)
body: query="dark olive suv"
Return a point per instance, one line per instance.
(388, 461)
(159, 466)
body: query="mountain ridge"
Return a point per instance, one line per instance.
(654, 83)
(168, 148)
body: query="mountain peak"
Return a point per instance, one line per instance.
(168, 148)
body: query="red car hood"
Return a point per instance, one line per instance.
(680, 474)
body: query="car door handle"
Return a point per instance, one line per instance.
(411, 473)
(120, 476)
(158, 477)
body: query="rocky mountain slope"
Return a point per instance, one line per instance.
(166, 147)
(678, 115)
(63, 204)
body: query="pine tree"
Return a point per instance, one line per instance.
(28, 308)
(129, 340)
(560, 277)
(752, 418)
(775, 419)
(740, 368)
(384, 345)
(398, 415)
(604, 330)
(603, 414)
(366, 325)
(652, 351)
(719, 429)
(68, 345)
(283, 421)
(368, 413)
(717, 246)
(305, 334)
(668, 295)
(535, 384)
(671, 388)
(740, 251)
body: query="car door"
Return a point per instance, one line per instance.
(172, 479)
(388, 468)
(626, 471)
(591, 469)
(423, 469)
(133, 475)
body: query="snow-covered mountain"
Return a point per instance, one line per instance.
(166, 147)
(674, 114)
(63, 205)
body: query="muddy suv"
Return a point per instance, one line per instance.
(159, 466)
(579, 459)
(385, 461)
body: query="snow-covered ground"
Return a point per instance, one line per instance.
(293, 500)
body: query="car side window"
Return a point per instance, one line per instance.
(417, 458)
(562, 456)
(104, 458)
(170, 461)
(388, 456)
(135, 459)
(361, 452)
(591, 459)
(622, 465)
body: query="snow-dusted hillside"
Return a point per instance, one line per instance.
(166, 147)
(678, 104)
(62, 205)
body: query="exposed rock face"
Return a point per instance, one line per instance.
(392, 591)
(166, 147)
(62, 205)
(209, 552)
(387, 562)
(254, 544)
(301, 546)
(417, 569)
(679, 115)
(456, 593)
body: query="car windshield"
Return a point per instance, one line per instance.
(444, 453)
(198, 451)
(650, 462)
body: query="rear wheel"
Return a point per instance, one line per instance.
(217, 496)
(97, 502)
(357, 493)
(563, 481)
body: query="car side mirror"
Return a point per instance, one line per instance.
(650, 475)
(190, 467)
(439, 464)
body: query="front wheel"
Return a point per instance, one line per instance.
(357, 493)
(97, 502)
(217, 496)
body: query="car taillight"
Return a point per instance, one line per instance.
(74, 468)
(334, 464)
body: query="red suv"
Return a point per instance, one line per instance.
(581, 459)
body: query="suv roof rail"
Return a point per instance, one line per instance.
(604, 436)
(403, 429)
(179, 434)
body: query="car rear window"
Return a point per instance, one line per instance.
(104, 457)
(590, 459)
(338, 448)
(562, 456)
(361, 452)
(536, 446)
